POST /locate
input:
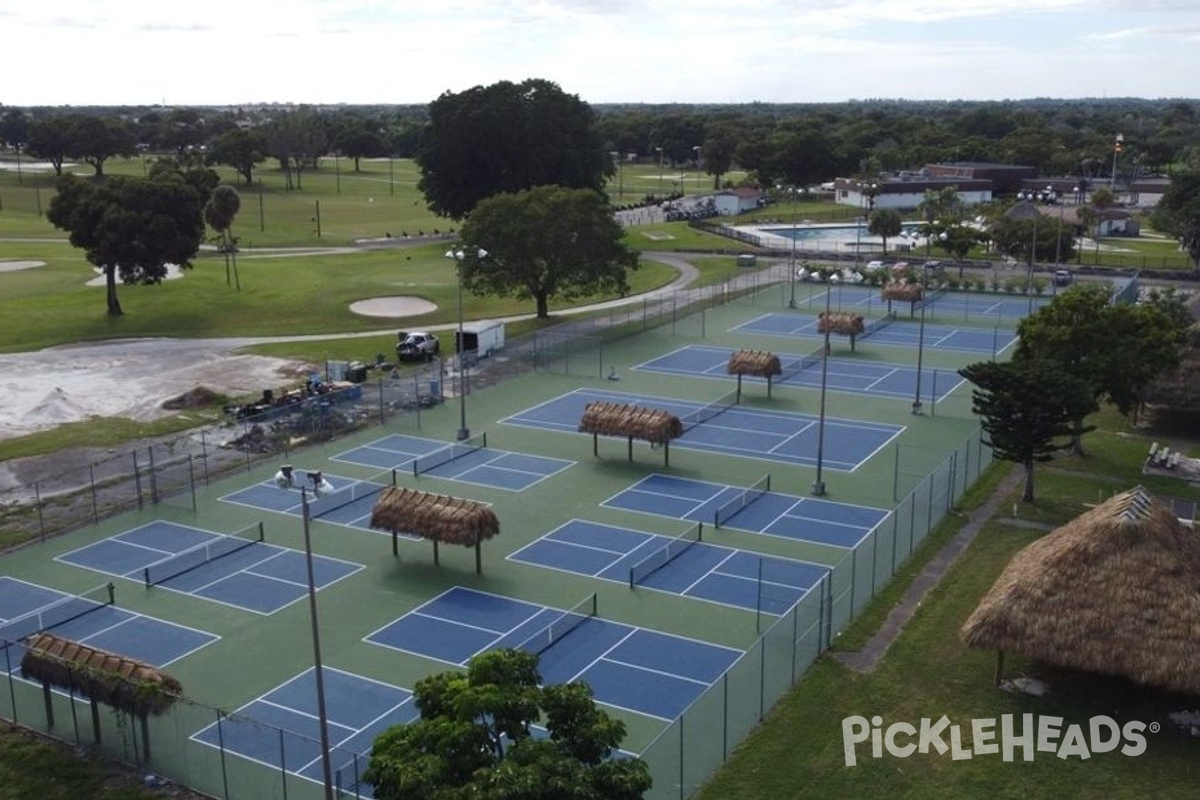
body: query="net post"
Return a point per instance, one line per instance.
(146, 576)
(595, 605)
(415, 468)
(262, 533)
(699, 531)
(484, 435)
(111, 588)
(394, 476)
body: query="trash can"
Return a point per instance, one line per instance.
(435, 390)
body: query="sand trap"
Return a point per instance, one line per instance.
(13, 266)
(393, 307)
(173, 272)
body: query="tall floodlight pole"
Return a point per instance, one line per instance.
(696, 151)
(458, 256)
(792, 262)
(1116, 152)
(916, 406)
(659, 150)
(818, 486)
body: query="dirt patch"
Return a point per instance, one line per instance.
(393, 307)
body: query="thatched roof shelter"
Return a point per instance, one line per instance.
(846, 323)
(437, 517)
(655, 425)
(758, 363)
(905, 292)
(128, 685)
(1115, 591)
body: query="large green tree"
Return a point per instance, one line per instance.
(1024, 406)
(1116, 350)
(543, 243)
(1178, 213)
(131, 227)
(505, 138)
(95, 139)
(50, 139)
(475, 740)
(242, 149)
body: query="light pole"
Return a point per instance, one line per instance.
(659, 150)
(916, 406)
(458, 256)
(1116, 152)
(696, 150)
(865, 193)
(818, 486)
(792, 259)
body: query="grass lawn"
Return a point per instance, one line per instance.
(928, 672)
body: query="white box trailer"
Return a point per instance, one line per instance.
(483, 338)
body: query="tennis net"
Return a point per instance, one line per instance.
(176, 564)
(793, 368)
(324, 504)
(451, 452)
(566, 622)
(744, 498)
(930, 298)
(58, 612)
(665, 554)
(702, 415)
(876, 325)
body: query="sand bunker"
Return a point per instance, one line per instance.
(393, 307)
(13, 266)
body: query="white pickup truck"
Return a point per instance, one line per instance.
(417, 346)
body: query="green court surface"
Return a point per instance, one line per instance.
(911, 480)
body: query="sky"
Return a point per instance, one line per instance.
(235, 52)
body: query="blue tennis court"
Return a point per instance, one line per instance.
(738, 431)
(1001, 308)
(348, 504)
(358, 710)
(236, 570)
(901, 333)
(806, 519)
(471, 461)
(685, 565)
(635, 669)
(844, 375)
(29, 608)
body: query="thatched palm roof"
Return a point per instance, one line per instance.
(907, 292)
(846, 323)
(759, 363)
(620, 419)
(1115, 591)
(438, 517)
(115, 680)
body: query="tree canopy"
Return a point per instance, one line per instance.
(1024, 406)
(1116, 350)
(543, 243)
(132, 227)
(505, 138)
(476, 739)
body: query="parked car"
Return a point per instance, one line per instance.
(417, 346)
(1062, 277)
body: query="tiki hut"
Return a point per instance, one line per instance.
(846, 323)
(909, 292)
(758, 363)
(654, 425)
(1114, 591)
(130, 686)
(437, 517)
